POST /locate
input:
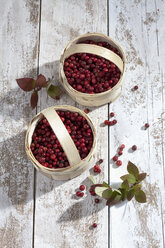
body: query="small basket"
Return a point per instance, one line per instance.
(77, 165)
(73, 47)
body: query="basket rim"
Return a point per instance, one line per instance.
(95, 94)
(38, 117)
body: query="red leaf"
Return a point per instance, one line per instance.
(25, 84)
(34, 99)
(41, 81)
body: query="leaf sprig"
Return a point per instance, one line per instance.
(129, 188)
(30, 84)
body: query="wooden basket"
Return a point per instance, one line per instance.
(72, 47)
(77, 165)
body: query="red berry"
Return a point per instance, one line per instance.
(120, 153)
(100, 161)
(78, 193)
(110, 123)
(135, 87)
(99, 170)
(112, 114)
(94, 225)
(86, 110)
(97, 200)
(82, 187)
(114, 122)
(106, 122)
(147, 125)
(119, 162)
(122, 146)
(81, 194)
(134, 147)
(93, 193)
(115, 158)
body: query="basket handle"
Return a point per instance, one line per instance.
(62, 135)
(97, 50)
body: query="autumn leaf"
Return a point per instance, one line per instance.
(34, 99)
(40, 81)
(26, 84)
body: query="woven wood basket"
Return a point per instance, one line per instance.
(73, 47)
(77, 165)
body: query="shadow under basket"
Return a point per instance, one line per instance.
(77, 165)
(76, 46)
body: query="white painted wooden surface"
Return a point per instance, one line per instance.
(38, 212)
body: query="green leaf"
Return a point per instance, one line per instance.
(99, 190)
(142, 176)
(131, 179)
(123, 194)
(115, 198)
(140, 196)
(132, 169)
(107, 194)
(125, 185)
(117, 191)
(92, 179)
(34, 99)
(54, 91)
(25, 84)
(130, 194)
(106, 184)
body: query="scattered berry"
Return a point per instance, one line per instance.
(86, 110)
(96, 168)
(114, 122)
(81, 194)
(82, 187)
(94, 225)
(115, 158)
(134, 147)
(110, 123)
(92, 193)
(135, 87)
(97, 200)
(147, 125)
(122, 146)
(78, 193)
(100, 161)
(112, 114)
(119, 162)
(106, 122)
(120, 152)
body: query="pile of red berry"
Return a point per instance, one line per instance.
(46, 147)
(89, 73)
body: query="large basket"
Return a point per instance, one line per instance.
(77, 165)
(73, 47)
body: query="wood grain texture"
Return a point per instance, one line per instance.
(18, 53)
(61, 220)
(140, 31)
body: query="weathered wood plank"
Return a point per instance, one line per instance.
(18, 53)
(140, 30)
(60, 219)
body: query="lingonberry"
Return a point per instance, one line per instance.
(47, 149)
(147, 125)
(81, 194)
(120, 152)
(86, 110)
(114, 122)
(106, 122)
(97, 200)
(82, 187)
(78, 193)
(84, 72)
(134, 147)
(94, 225)
(119, 162)
(110, 123)
(115, 158)
(135, 87)
(100, 161)
(122, 146)
(112, 114)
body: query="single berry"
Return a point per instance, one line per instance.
(122, 146)
(112, 114)
(106, 122)
(119, 162)
(134, 147)
(92, 193)
(100, 161)
(86, 110)
(82, 187)
(147, 125)
(135, 87)
(78, 193)
(99, 170)
(110, 123)
(114, 122)
(97, 200)
(120, 153)
(94, 225)
(81, 194)
(115, 158)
